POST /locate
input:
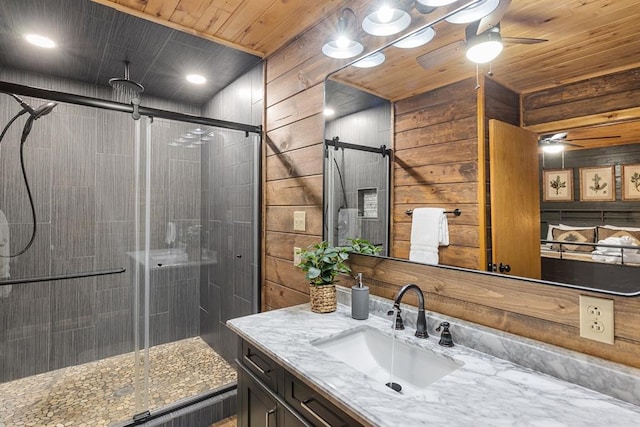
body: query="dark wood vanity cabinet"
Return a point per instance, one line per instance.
(270, 396)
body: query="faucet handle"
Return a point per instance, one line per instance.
(446, 340)
(397, 322)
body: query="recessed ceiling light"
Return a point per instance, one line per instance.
(40, 41)
(329, 111)
(196, 79)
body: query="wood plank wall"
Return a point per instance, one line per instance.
(436, 164)
(293, 181)
(597, 100)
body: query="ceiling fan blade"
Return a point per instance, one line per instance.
(493, 19)
(571, 145)
(523, 40)
(439, 56)
(595, 137)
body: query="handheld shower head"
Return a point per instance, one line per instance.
(43, 110)
(34, 115)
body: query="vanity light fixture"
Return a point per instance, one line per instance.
(196, 79)
(484, 47)
(428, 6)
(40, 41)
(370, 60)
(387, 17)
(344, 43)
(474, 12)
(420, 38)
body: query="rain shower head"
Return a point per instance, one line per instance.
(125, 86)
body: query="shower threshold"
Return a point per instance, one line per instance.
(102, 393)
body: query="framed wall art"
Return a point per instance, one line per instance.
(631, 182)
(597, 184)
(557, 185)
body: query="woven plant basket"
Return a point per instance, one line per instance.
(323, 298)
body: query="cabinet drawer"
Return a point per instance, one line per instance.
(260, 365)
(315, 409)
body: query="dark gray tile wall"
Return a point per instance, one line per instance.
(229, 186)
(81, 166)
(361, 170)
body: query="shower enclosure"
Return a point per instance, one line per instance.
(357, 166)
(146, 244)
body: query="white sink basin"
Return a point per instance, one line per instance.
(368, 350)
(168, 256)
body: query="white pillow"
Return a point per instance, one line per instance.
(564, 227)
(614, 227)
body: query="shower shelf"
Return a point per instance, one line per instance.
(62, 277)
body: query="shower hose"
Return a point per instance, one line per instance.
(25, 133)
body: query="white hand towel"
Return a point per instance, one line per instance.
(4, 251)
(429, 229)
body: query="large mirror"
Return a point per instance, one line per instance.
(575, 89)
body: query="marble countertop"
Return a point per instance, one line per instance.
(486, 390)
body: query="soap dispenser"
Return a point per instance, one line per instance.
(359, 299)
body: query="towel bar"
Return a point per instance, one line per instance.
(456, 212)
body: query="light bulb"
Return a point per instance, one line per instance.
(553, 148)
(484, 52)
(342, 42)
(385, 13)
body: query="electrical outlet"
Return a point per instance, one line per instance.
(299, 220)
(296, 256)
(596, 319)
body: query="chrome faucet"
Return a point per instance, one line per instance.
(421, 324)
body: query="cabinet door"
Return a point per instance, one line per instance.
(257, 407)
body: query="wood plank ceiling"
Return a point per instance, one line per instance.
(587, 38)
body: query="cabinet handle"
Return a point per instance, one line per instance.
(313, 413)
(266, 416)
(255, 365)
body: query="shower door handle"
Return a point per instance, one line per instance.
(239, 256)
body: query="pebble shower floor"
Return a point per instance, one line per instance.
(102, 393)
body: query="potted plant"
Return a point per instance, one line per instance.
(323, 263)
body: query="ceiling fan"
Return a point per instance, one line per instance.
(485, 30)
(557, 141)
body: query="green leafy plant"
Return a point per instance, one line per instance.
(323, 262)
(362, 246)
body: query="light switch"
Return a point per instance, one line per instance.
(299, 220)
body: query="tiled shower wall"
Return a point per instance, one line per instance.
(229, 182)
(80, 162)
(362, 170)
